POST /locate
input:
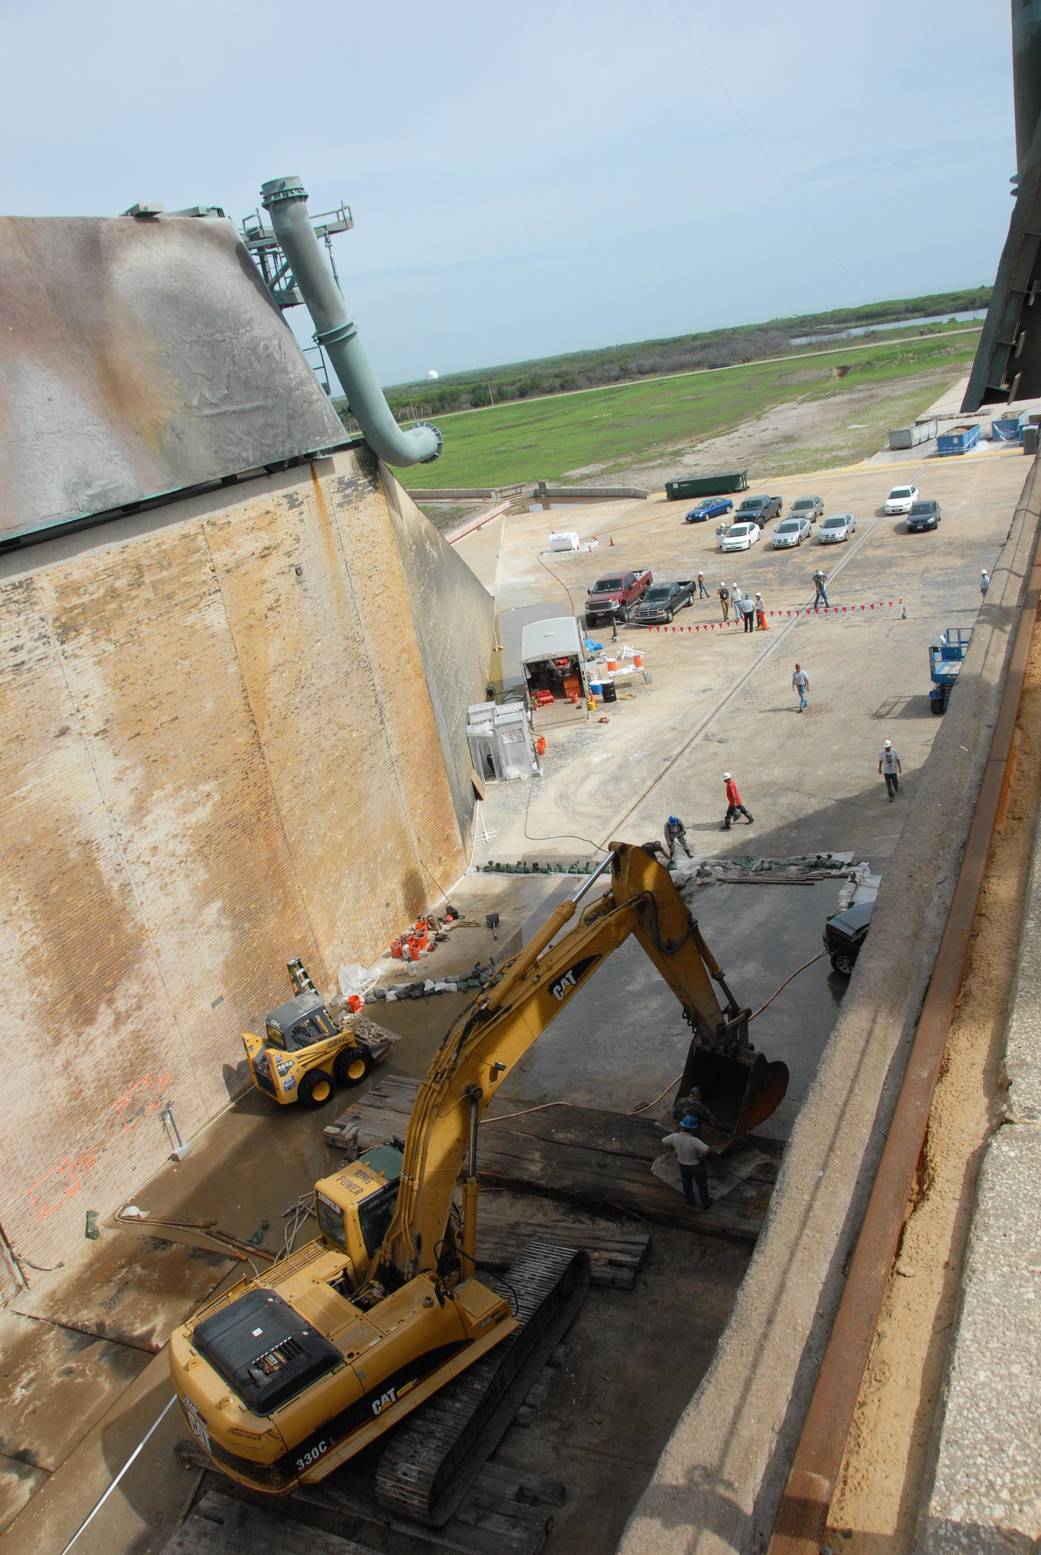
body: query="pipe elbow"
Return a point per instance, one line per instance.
(286, 200)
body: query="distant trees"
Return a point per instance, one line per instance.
(518, 381)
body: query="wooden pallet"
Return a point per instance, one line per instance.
(506, 1512)
(600, 1160)
(615, 1256)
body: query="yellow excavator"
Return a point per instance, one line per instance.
(288, 1375)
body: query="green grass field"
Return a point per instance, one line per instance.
(615, 428)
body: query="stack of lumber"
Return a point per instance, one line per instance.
(506, 1512)
(600, 1160)
(616, 1256)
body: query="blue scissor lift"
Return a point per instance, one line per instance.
(945, 660)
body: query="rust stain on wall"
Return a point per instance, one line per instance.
(218, 751)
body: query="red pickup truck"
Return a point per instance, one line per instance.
(612, 597)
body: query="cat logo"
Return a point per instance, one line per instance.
(565, 986)
(384, 1401)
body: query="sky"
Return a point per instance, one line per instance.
(539, 178)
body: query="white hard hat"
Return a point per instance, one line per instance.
(726, 777)
(888, 745)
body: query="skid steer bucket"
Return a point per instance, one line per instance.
(739, 1092)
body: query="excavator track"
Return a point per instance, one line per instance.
(436, 1454)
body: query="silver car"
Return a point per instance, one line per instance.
(807, 507)
(792, 530)
(838, 526)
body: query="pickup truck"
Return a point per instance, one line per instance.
(612, 597)
(762, 509)
(661, 602)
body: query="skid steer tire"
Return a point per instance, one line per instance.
(351, 1066)
(315, 1089)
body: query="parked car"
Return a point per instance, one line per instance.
(740, 536)
(901, 499)
(712, 507)
(923, 515)
(661, 602)
(611, 598)
(844, 934)
(838, 526)
(807, 507)
(762, 509)
(792, 530)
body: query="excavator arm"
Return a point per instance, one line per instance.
(495, 1032)
(288, 1375)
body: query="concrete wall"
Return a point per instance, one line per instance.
(455, 631)
(217, 750)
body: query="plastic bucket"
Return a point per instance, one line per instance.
(612, 665)
(638, 661)
(595, 688)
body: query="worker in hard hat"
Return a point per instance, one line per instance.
(890, 768)
(691, 1153)
(675, 832)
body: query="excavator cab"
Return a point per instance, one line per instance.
(356, 1205)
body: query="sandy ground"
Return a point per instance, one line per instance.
(885, 1473)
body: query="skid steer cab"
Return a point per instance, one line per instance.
(309, 1048)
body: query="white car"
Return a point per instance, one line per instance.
(791, 531)
(901, 498)
(739, 537)
(838, 526)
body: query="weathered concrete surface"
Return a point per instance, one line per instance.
(985, 1497)
(718, 1483)
(453, 618)
(985, 1491)
(218, 749)
(140, 357)
(1023, 1040)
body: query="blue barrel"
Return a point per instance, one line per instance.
(595, 689)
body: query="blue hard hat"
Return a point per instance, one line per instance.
(674, 820)
(690, 1121)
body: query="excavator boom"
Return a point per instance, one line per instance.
(739, 1087)
(289, 1375)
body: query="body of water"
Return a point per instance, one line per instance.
(870, 329)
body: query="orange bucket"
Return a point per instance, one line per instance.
(612, 666)
(638, 661)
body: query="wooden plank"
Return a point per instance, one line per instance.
(345, 1498)
(221, 1524)
(584, 1155)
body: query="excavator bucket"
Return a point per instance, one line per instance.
(739, 1092)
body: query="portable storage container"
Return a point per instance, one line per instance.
(707, 485)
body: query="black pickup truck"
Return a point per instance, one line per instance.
(661, 602)
(761, 509)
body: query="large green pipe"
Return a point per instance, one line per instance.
(286, 199)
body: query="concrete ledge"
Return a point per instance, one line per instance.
(719, 1480)
(984, 1498)
(984, 1495)
(1023, 1041)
